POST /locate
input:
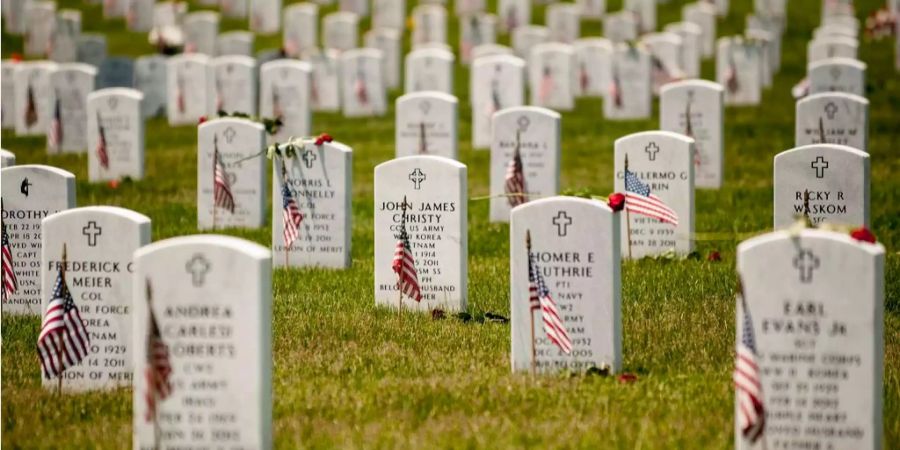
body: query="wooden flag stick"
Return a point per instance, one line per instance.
(627, 214)
(423, 147)
(214, 161)
(806, 206)
(59, 349)
(530, 311)
(156, 429)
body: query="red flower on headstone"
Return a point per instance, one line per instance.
(616, 201)
(323, 138)
(16, 57)
(863, 234)
(714, 256)
(627, 378)
(201, 120)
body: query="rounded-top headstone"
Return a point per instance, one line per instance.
(115, 134)
(833, 118)
(695, 108)
(211, 300)
(426, 124)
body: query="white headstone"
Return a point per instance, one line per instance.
(324, 90)
(525, 37)
(837, 75)
(629, 94)
(301, 28)
(574, 244)
(435, 193)
(40, 20)
(34, 109)
(31, 193)
(592, 63)
(320, 179)
(591, 9)
(99, 242)
(7, 158)
(739, 71)
(387, 40)
(475, 29)
(815, 302)
(694, 108)
(115, 71)
(497, 82)
(662, 221)
(666, 54)
(211, 297)
(7, 97)
(235, 43)
(429, 69)
(115, 134)
(363, 91)
(150, 80)
(834, 177)
(340, 31)
(234, 84)
(284, 90)
(201, 31)
(389, 14)
(235, 9)
(237, 143)
(70, 85)
(139, 15)
(622, 26)
(64, 42)
(704, 15)
(189, 88)
(429, 24)
(833, 118)
(691, 46)
(92, 49)
(564, 22)
(513, 14)
(646, 13)
(426, 124)
(537, 133)
(14, 15)
(551, 75)
(764, 41)
(265, 16)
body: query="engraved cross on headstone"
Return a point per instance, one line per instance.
(197, 266)
(806, 262)
(417, 177)
(92, 231)
(831, 110)
(652, 149)
(819, 165)
(562, 222)
(229, 134)
(309, 157)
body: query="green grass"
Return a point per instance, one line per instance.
(348, 374)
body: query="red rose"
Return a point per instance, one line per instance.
(616, 201)
(863, 234)
(113, 184)
(201, 120)
(324, 137)
(714, 256)
(627, 378)
(16, 57)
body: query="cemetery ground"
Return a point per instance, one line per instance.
(349, 374)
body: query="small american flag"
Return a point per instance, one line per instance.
(751, 412)
(639, 200)
(546, 87)
(10, 283)
(276, 103)
(615, 91)
(102, 151)
(511, 19)
(55, 136)
(404, 265)
(516, 193)
(494, 105)
(180, 93)
(31, 117)
(539, 297)
(221, 184)
(662, 74)
(64, 341)
(159, 367)
(731, 76)
(359, 87)
(584, 78)
(290, 212)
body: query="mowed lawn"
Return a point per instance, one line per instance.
(348, 374)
